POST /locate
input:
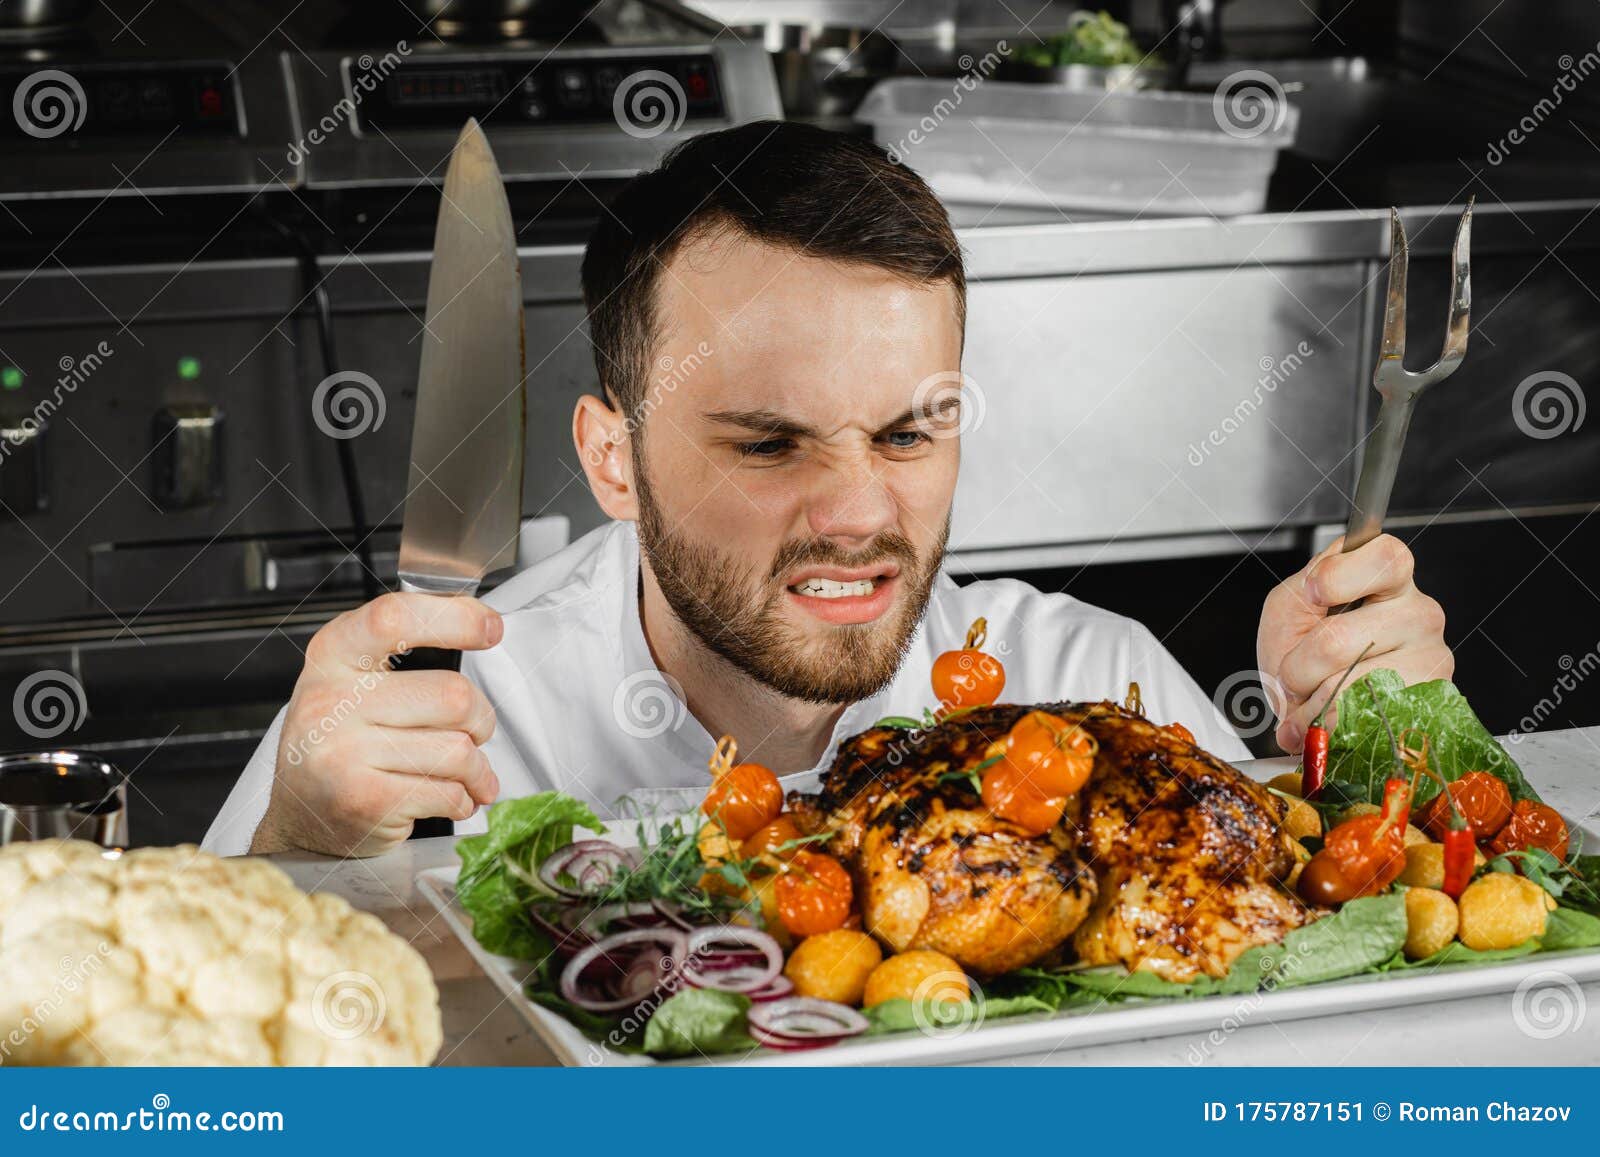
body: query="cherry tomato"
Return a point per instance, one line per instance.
(1368, 861)
(1010, 795)
(1054, 756)
(1533, 825)
(814, 894)
(743, 799)
(967, 679)
(1483, 800)
(1323, 883)
(771, 837)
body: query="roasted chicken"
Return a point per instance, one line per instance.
(933, 868)
(1167, 861)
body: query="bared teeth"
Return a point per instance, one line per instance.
(821, 588)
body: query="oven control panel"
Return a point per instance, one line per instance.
(120, 100)
(541, 90)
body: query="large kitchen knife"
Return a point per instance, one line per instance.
(464, 494)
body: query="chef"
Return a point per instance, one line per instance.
(777, 315)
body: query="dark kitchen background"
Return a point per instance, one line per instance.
(225, 224)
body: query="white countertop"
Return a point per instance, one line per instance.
(482, 1028)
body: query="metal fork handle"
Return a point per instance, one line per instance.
(1379, 464)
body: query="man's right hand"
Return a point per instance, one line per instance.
(366, 750)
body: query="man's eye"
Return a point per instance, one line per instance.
(906, 439)
(770, 448)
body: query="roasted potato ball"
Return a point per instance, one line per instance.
(1431, 922)
(1357, 809)
(1302, 820)
(1424, 866)
(834, 965)
(1500, 910)
(1288, 783)
(917, 975)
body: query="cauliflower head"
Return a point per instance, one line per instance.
(171, 956)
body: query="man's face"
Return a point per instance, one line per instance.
(798, 460)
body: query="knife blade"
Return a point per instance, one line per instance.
(464, 492)
(463, 506)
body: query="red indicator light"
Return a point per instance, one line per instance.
(699, 87)
(210, 102)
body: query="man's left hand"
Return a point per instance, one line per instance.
(1307, 651)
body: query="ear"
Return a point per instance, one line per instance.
(601, 436)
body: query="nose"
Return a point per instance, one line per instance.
(851, 505)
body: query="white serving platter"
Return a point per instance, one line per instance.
(1031, 1035)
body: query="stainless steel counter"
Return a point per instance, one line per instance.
(480, 1028)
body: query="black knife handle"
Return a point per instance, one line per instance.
(428, 659)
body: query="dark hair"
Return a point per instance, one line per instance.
(821, 193)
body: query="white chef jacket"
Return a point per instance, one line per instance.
(583, 709)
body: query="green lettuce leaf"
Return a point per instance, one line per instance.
(528, 829)
(900, 1015)
(699, 1022)
(1359, 754)
(1570, 928)
(1363, 936)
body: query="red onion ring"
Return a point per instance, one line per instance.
(803, 1022)
(589, 864)
(622, 990)
(780, 987)
(718, 943)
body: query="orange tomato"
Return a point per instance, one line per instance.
(1484, 802)
(814, 894)
(1054, 756)
(1009, 794)
(1369, 862)
(771, 837)
(967, 678)
(1533, 825)
(743, 799)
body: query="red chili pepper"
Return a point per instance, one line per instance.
(1460, 853)
(1314, 761)
(1314, 750)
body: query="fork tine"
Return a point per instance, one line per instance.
(1392, 349)
(1455, 334)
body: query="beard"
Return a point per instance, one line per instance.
(735, 609)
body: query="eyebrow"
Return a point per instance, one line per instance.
(771, 424)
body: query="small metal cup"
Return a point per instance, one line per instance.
(70, 795)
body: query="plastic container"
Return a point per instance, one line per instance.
(989, 142)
